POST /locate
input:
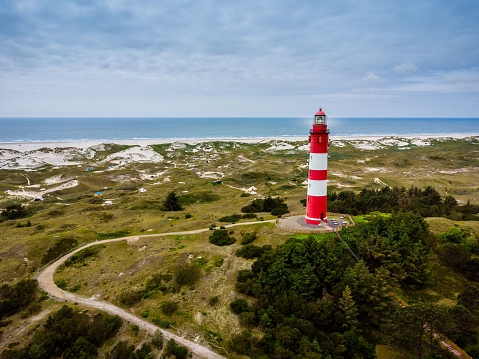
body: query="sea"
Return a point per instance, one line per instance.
(87, 129)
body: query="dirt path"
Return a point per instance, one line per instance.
(47, 283)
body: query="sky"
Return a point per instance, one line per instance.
(248, 58)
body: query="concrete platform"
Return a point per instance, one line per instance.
(297, 224)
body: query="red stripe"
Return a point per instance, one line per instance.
(318, 174)
(315, 206)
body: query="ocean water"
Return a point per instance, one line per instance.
(84, 129)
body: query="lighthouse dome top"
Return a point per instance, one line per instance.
(319, 118)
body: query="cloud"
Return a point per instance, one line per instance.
(371, 77)
(112, 49)
(405, 67)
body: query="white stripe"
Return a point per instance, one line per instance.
(315, 219)
(318, 161)
(317, 187)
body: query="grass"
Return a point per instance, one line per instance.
(449, 166)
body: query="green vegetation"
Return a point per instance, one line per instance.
(221, 237)
(14, 211)
(79, 257)
(276, 206)
(70, 334)
(14, 298)
(416, 233)
(61, 247)
(250, 251)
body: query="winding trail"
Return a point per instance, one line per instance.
(47, 283)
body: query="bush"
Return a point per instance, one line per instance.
(171, 202)
(230, 218)
(178, 351)
(239, 306)
(248, 237)
(14, 211)
(220, 237)
(168, 308)
(250, 251)
(213, 300)
(131, 297)
(157, 339)
(84, 254)
(15, 298)
(187, 274)
(60, 247)
(269, 204)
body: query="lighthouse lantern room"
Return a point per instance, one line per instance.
(316, 203)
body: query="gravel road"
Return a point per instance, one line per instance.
(46, 282)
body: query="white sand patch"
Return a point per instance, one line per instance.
(242, 158)
(451, 172)
(378, 181)
(210, 174)
(376, 169)
(394, 142)
(420, 142)
(40, 194)
(56, 179)
(33, 159)
(334, 143)
(280, 146)
(366, 145)
(135, 154)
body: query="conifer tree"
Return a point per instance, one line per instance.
(349, 311)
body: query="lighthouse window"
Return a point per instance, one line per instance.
(319, 120)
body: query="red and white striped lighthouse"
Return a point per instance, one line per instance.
(318, 170)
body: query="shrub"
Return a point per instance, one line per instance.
(157, 339)
(60, 247)
(213, 300)
(269, 204)
(250, 251)
(171, 202)
(14, 211)
(168, 308)
(248, 237)
(239, 305)
(15, 298)
(178, 351)
(230, 218)
(187, 274)
(220, 237)
(131, 297)
(84, 254)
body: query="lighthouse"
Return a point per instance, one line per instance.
(318, 170)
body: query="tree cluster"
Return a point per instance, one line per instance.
(427, 202)
(69, 334)
(399, 244)
(14, 298)
(14, 211)
(275, 206)
(298, 288)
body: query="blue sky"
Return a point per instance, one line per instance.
(355, 58)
